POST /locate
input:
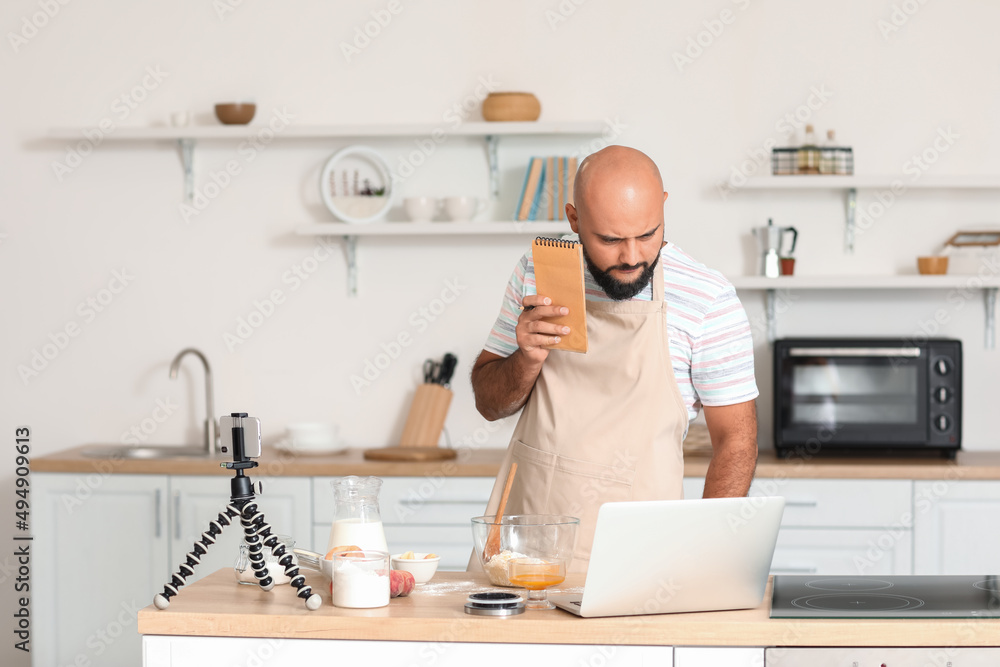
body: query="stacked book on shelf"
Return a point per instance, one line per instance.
(548, 187)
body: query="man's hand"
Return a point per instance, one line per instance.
(733, 429)
(532, 332)
(502, 384)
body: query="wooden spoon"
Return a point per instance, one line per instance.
(492, 547)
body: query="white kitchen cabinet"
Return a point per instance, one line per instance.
(197, 499)
(112, 541)
(831, 503)
(851, 551)
(182, 651)
(721, 656)
(838, 526)
(419, 513)
(956, 527)
(101, 552)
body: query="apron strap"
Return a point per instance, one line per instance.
(658, 279)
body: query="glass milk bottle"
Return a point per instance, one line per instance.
(357, 520)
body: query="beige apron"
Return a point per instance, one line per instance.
(602, 426)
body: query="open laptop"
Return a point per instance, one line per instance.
(666, 556)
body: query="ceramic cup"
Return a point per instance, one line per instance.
(420, 209)
(180, 118)
(463, 209)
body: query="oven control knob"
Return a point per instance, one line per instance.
(942, 366)
(942, 394)
(942, 423)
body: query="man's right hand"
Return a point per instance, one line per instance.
(532, 332)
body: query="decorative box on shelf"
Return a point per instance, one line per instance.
(974, 253)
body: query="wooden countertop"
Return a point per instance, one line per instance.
(218, 606)
(469, 463)
(485, 462)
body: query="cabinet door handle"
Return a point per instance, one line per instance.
(177, 516)
(156, 512)
(800, 503)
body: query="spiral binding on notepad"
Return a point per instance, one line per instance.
(555, 243)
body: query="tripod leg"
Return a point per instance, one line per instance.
(255, 545)
(253, 523)
(193, 558)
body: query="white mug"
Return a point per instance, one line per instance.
(463, 209)
(180, 118)
(420, 209)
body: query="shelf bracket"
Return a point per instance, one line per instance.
(990, 297)
(351, 251)
(772, 317)
(492, 141)
(849, 225)
(187, 159)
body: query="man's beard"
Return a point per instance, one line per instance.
(616, 289)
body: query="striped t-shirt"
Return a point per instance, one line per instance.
(711, 348)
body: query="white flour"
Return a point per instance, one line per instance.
(447, 588)
(358, 588)
(496, 567)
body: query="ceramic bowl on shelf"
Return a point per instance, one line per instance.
(932, 266)
(235, 113)
(511, 107)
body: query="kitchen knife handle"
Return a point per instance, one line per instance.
(156, 512)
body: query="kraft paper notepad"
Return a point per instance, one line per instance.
(559, 276)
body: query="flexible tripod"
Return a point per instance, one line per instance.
(256, 531)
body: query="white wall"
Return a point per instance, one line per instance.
(889, 96)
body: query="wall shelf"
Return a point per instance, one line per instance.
(771, 286)
(350, 234)
(186, 138)
(850, 185)
(433, 228)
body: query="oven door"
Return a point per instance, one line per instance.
(851, 395)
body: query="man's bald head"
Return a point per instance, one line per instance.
(618, 212)
(616, 173)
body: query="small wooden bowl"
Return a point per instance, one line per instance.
(235, 114)
(932, 266)
(511, 107)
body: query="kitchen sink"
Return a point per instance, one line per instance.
(145, 452)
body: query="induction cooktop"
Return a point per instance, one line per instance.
(938, 596)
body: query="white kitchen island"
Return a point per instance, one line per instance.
(215, 622)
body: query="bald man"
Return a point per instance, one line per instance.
(667, 337)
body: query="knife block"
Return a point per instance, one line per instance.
(425, 421)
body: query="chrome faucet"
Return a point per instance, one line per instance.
(211, 432)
